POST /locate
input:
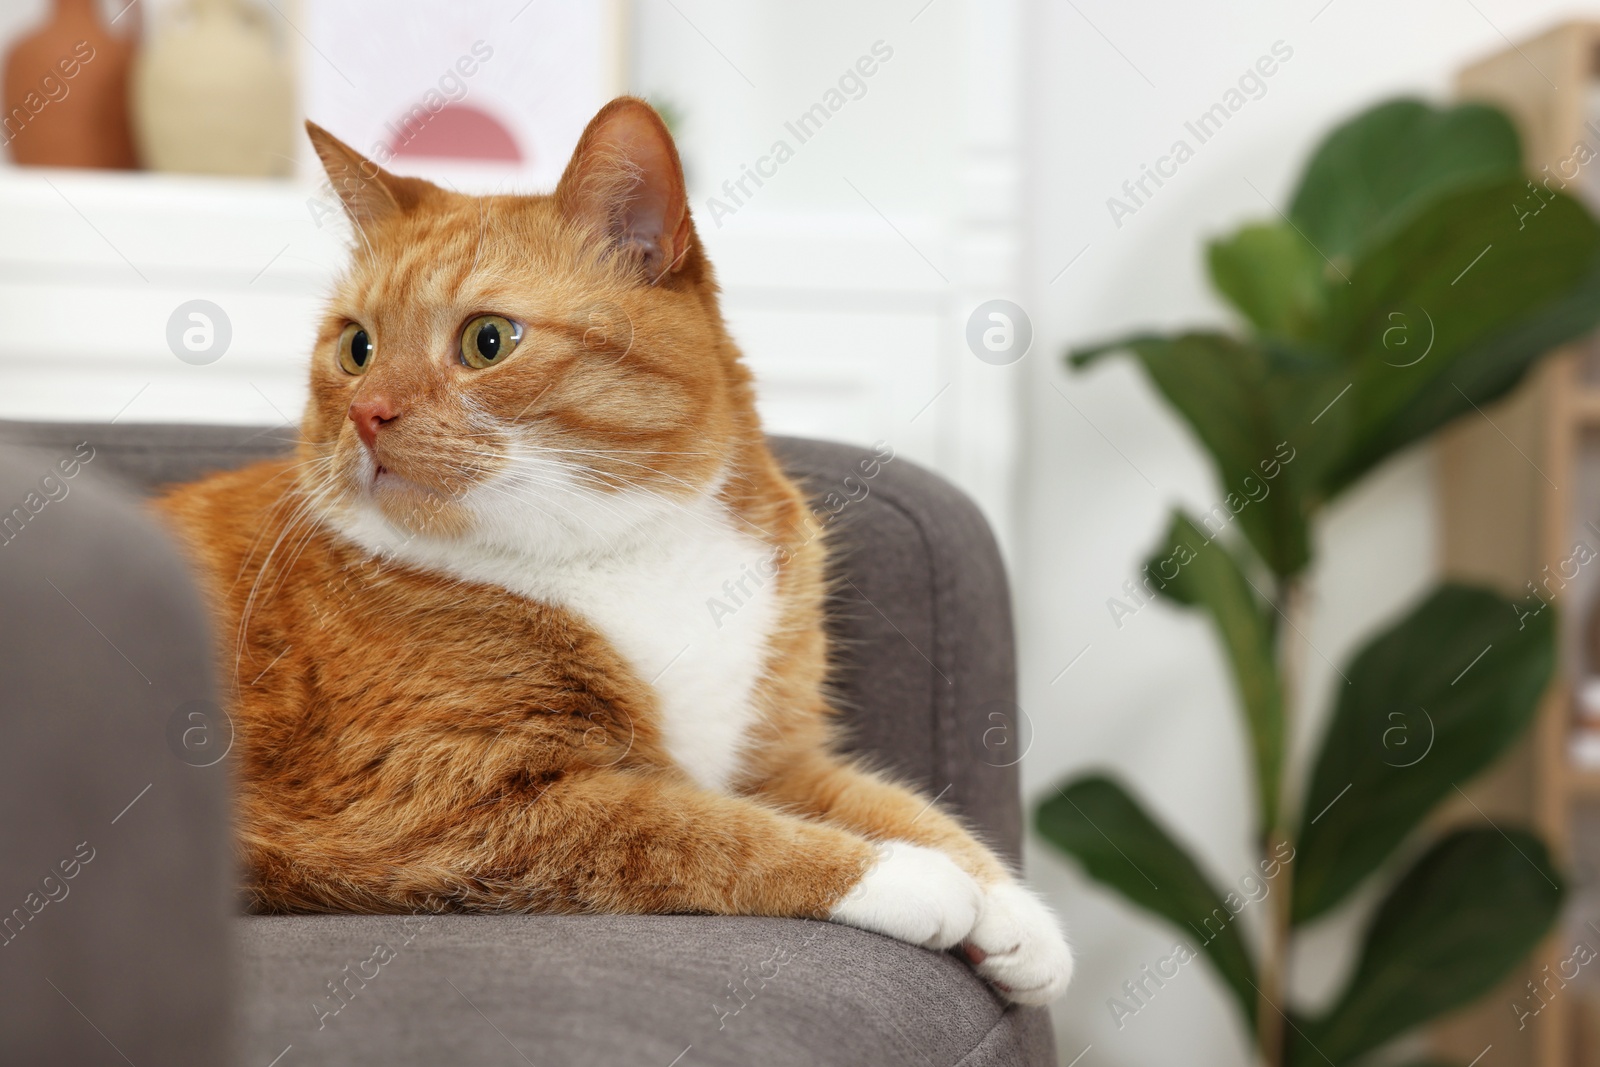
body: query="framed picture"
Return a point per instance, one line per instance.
(476, 94)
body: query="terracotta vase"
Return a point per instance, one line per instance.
(66, 93)
(213, 92)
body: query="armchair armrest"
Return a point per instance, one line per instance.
(921, 629)
(115, 863)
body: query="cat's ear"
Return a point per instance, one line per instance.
(625, 180)
(369, 193)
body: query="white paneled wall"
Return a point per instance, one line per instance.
(95, 264)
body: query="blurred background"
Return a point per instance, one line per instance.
(995, 152)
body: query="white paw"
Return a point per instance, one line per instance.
(914, 894)
(1020, 946)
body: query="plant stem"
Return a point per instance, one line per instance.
(1272, 1002)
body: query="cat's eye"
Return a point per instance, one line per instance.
(355, 349)
(489, 339)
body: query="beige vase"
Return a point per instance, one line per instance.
(213, 93)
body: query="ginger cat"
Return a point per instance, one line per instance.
(465, 625)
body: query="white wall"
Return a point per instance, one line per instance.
(1150, 701)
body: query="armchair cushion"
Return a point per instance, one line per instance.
(615, 989)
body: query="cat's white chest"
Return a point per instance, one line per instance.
(686, 598)
(669, 612)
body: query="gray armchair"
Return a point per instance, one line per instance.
(112, 769)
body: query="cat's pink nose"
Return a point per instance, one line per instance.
(369, 413)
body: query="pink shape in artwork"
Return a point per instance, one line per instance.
(455, 131)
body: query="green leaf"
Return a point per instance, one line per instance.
(1243, 401)
(1193, 569)
(1371, 173)
(1457, 923)
(1476, 295)
(1449, 278)
(1430, 702)
(1447, 315)
(1274, 278)
(1097, 822)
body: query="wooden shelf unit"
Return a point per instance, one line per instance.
(1507, 507)
(1583, 782)
(1586, 406)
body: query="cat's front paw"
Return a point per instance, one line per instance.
(1019, 946)
(913, 894)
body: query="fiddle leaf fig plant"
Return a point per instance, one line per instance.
(1417, 276)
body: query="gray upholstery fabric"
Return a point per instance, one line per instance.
(578, 990)
(102, 640)
(920, 621)
(923, 672)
